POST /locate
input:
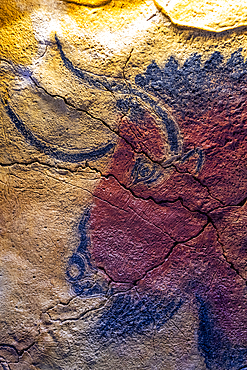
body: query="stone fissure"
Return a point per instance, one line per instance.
(224, 252)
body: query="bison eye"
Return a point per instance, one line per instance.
(76, 268)
(145, 171)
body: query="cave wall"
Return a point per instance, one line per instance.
(123, 185)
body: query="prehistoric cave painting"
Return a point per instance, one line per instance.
(136, 104)
(140, 234)
(131, 238)
(56, 153)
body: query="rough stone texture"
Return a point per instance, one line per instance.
(123, 189)
(212, 15)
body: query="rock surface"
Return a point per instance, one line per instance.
(123, 189)
(213, 15)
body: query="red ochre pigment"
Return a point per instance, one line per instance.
(160, 235)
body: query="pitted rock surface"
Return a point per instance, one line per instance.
(123, 186)
(213, 15)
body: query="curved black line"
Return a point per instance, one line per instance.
(200, 159)
(58, 154)
(77, 72)
(169, 125)
(191, 153)
(100, 83)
